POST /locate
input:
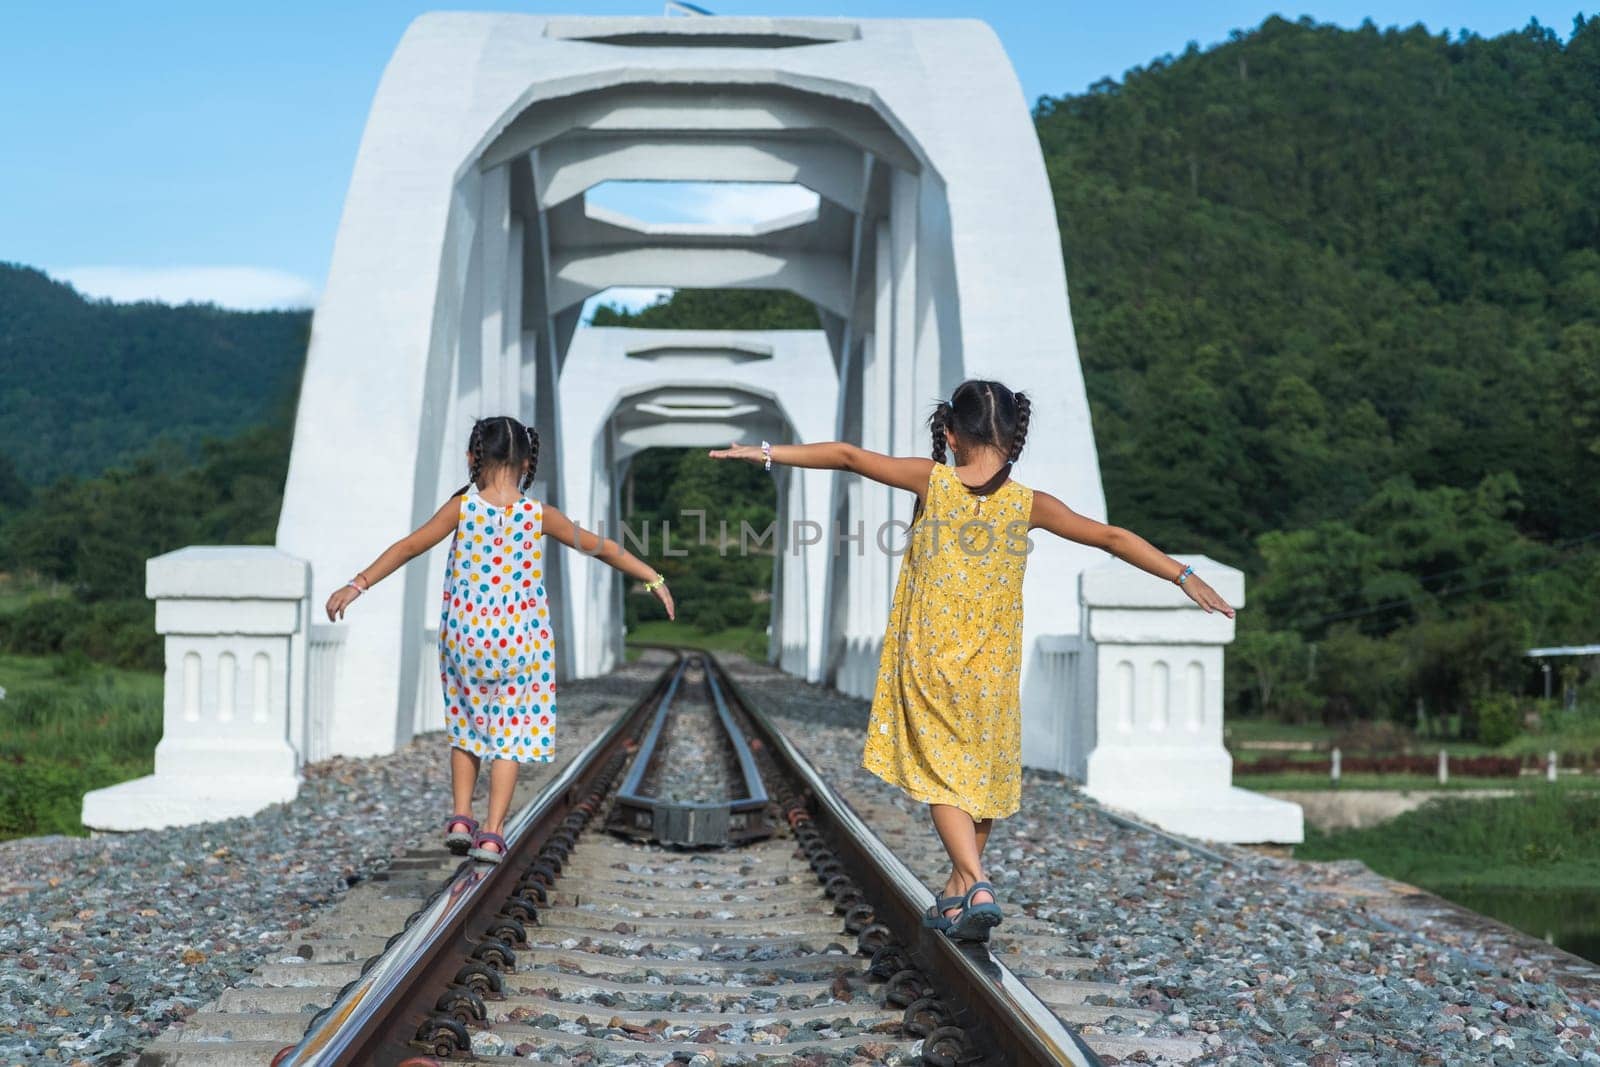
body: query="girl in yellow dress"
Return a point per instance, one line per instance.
(946, 712)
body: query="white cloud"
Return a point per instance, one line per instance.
(713, 203)
(242, 288)
(745, 203)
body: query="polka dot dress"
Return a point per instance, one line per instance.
(496, 651)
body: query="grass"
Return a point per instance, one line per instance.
(68, 726)
(1545, 839)
(1243, 731)
(1409, 783)
(745, 640)
(1242, 735)
(18, 593)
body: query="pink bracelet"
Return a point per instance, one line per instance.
(351, 584)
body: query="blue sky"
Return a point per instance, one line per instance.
(201, 150)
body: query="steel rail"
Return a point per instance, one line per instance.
(693, 822)
(376, 1018)
(1010, 1023)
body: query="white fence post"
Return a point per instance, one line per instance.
(1158, 749)
(234, 619)
(322, 678)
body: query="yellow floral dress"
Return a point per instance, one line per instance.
(946, 721)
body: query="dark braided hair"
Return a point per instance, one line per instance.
(938, 422)
(497, 442)
(1019, 436)
(982, 412)
(533, 456)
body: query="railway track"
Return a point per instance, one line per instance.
(617, 928)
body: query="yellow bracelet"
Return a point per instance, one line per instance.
(652, 586)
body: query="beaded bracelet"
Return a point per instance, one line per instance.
(1183, 575)
(652, 586)
(766, 455)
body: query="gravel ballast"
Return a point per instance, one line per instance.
(1270, 960)
(106, 941)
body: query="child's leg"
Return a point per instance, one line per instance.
(463, 779)
(981, 830)
(959, 833)
(502, 781)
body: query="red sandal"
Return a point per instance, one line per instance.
(459, 841)
(488, 855)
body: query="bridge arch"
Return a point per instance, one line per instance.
(466, 250)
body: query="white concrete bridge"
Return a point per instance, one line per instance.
(466, 251)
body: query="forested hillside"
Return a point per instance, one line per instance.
(1338, 298)
(1311, 259)
(86, 385)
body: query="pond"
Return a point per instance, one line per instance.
(1566, 918)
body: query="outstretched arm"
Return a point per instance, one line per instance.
(902, 473)
(1052, 516)
(607, 551)
(396, 556)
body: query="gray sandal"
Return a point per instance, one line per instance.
(935, 918)
(976, 920)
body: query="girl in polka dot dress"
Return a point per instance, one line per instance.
(496, 642)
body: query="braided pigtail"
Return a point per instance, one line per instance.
(1019, 436)
(938, 423)
(474, 458)
(475, 453)
(533, 457)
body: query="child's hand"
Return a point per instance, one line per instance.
(1205, 596)
(663, 594)
(752, 453)
(342, 598)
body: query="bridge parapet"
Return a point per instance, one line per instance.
(1156, 747)
(235, 622)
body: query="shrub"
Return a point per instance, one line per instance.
(116, 632)
(1499, 718)
(1360, 677)
(40, 627)
(43, 798)
(119, 632)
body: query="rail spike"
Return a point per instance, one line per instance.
(443, 1036)
(948, 1046)
(462, 1005)
(496, 954)
(925, 1015)
(480, 978)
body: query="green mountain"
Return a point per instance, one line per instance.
(1311, 260)
(85, 384)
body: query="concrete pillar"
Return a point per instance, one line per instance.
(235, 622)
(1157, 706)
